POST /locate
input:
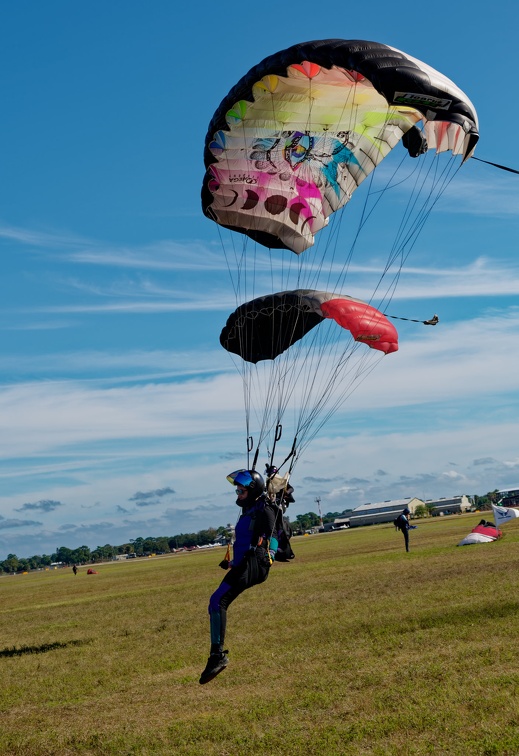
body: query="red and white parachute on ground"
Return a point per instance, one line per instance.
(485, 532)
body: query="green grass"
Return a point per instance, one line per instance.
(353, 648)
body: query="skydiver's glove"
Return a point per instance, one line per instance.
(224, 564)
(413, 527)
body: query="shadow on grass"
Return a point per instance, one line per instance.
(443, 618)
(43, 649)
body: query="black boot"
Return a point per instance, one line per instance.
(216, 663)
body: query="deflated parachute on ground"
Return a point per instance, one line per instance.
(297, 134)
(485, 532)
(267, 326)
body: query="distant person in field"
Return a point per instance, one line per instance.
(254, 550)
(402, 523)
(74, 569)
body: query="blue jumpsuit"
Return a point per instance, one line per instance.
(254, 549)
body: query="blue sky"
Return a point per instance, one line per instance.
(120, 414)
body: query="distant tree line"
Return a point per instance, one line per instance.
(142, 547)
(139, 546)
(486, 501)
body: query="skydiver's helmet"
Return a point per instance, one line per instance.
(248, 481)
(406, 511)
(285, 497)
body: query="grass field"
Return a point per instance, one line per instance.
(353, 648)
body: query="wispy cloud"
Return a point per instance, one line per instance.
(40, 238)
(52, 415)
(119, 367)
(38, 325)
(156, 493)
(150, 498)
(8, 524)
(45, 505)
(485, 193)
(473, 188)
(162, 255)
(482, 277)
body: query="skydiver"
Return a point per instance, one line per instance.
(284, 496)
(254, 551)
(402, 523)
(281, 492)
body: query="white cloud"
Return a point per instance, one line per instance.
(472, 189)
(162, 255)
(487, 192)
(78, 442)
(42, 417)
(450, 363)
(479, 279)
(483, 277)
(278, 270)
(39, 238)
(136, 365)
(453, 477)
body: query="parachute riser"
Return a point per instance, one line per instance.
(292, 455)
(277, 436)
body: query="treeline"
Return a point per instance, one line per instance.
(138, 546)
(141, 547)
(167, 544)
(486, 501)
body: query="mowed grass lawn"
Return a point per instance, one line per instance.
(353, 648)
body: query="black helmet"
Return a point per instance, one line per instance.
(406, 511)
(249, 479)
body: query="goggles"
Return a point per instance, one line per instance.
(241, 491)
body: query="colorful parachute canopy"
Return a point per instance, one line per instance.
(296, 135)
(485, 532)
(267, 326)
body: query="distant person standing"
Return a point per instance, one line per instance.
(402, 523)
(74, 569)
